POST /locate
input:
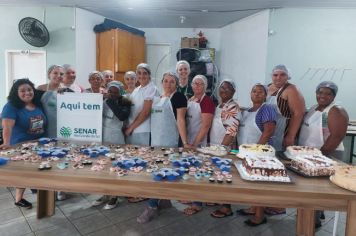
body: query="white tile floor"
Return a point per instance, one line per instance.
(75, 216)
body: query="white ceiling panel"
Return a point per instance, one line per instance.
(167, 13)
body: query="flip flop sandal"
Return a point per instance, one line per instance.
(136, 199)
(192, 211)
(221, 214)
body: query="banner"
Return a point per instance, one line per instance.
(79, 116)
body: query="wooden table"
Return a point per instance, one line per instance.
(306, 194)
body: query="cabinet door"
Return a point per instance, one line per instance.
(124, 50)
(138, 49)
(105, 50)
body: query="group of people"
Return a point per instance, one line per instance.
(182, 116)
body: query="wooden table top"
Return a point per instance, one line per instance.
(318, 193)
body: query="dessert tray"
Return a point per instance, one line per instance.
(245, 176)
(215, 150)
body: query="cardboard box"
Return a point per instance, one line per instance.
(189, 42)
(185, 42)
(194, 42)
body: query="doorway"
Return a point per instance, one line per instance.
(25, 64)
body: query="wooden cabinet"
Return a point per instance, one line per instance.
(119, 51)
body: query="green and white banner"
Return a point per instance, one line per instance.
(79, 116)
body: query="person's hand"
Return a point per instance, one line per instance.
(128, 131)
(288, 141)
(4, 146)
(189, 146)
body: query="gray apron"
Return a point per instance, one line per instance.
(281, 123)
(112, 127)
(49, 104)
(164, 130)
(249, 133)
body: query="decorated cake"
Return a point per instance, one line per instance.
(345, 177)
(264, 168)
(313, 165)
(301, 150)
(215, 150)
(256, 149)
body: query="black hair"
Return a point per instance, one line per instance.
(14, 99)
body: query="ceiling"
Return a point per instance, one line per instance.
(169, 13)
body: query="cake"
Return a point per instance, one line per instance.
(313, 165)
(264, 168)
(256, 149)
(301, 150)
(215, 150)
(345, 177)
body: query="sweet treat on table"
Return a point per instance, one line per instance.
(256, 149)
(215, 150)
(345, 177)
(313, 165)
(264, 168)
(301, 150)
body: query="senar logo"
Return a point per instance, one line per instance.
(66, 132)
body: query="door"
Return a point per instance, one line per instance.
(158, 57)
(25, 64)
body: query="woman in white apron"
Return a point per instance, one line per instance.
(168, 115)
(290, 106)
(257, 125)
(138, 130)
(167, 127)
(116, 110)
(130, 82)
(324, 126)
(49, 98)
(108, 76)
(69, 79)
(95, 81)
(200, 112)
(183, 71)
(226, 118)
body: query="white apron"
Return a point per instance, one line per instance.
(249, 132)
(138, 101)
(218, 131)
(281, 123)
(112, 127)
(312, 133)
(49, 104)
(194, 121)
(164, 130)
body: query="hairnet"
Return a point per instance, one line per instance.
(118, 85)
(328, 84)
(282, 68)
(144, 66)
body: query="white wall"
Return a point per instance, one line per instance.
(316, 38)
(243, 53)
(85, 44)
(59, 50)
(172, 36)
